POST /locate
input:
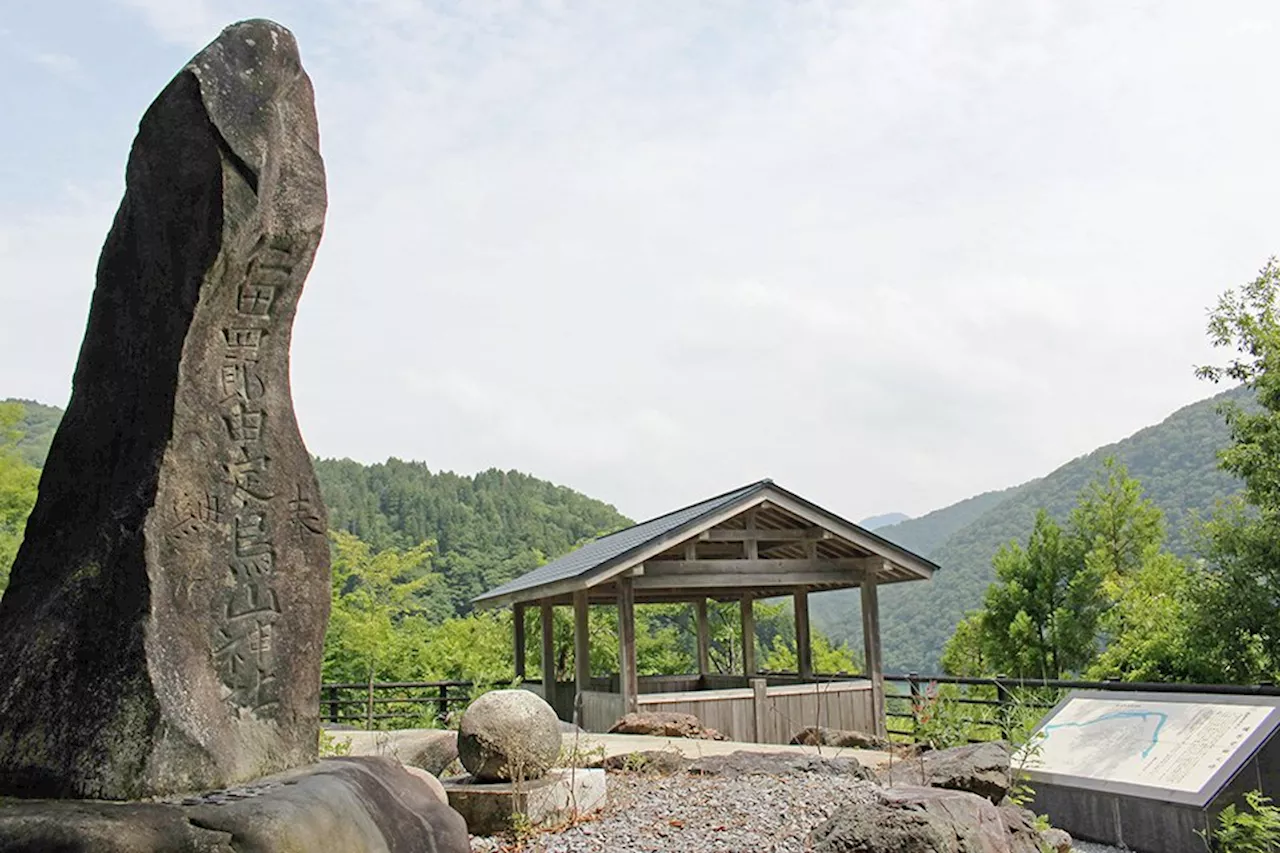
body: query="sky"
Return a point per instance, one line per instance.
(890, 254)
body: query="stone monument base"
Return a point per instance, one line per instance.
(340, 805)
(560, 795)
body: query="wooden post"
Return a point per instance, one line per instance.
(581, 652)
(760, 707)
(627, 678)
(548, 654)
(871, 646)
(704, 638)
(517, 620)
(747, 606)
(804, 648)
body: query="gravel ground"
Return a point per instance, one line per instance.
(1090, 847)
(699, 814)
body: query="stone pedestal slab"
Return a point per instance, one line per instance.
(560, 795)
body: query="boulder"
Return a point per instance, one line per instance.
(915, 820)
(507, 735)
(339, 804)
(432, 781)
(1057, 840)
(847, 739)
(665, 724)
(163, 628)
(432, 750)
(1020, 824)
(749, 763)
(981, 769)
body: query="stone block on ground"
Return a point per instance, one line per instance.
(163, 627)
(337, 805)
(650, 761)
(846, 739)
(982, 769)
(749, 763)
(508, 734)
(557, 797)
(665, 724)
(432, 750)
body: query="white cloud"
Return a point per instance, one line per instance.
(891, 255)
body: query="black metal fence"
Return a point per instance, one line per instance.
(917, 706)
(977, 709)
(394, 704)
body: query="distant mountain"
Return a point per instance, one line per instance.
(488, 527)
(1176, 461)
(37, 427)
(875, 522)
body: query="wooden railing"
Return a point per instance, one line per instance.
(393, 704)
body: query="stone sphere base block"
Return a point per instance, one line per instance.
(340, 805)
(560, 795)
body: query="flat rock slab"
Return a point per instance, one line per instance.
(488, 807)
(747, 763)
(340, 805)
(432, 750)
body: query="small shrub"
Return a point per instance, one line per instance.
(1252, 830)
(331, 746)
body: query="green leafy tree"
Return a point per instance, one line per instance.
(1147, 624)
(828, 659)
(379, 608)
(1237, 609)
(1042, 613)
(18, 482)
(1093, 588)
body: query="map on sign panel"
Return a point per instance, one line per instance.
(1170, 745)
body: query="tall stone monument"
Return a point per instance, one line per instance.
(163, 628)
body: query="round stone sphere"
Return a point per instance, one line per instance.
(508, 734)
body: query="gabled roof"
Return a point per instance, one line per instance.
(605, 557)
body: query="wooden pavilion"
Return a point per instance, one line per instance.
(758, 541)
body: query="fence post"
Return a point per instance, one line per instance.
(442, 705)
(1005, 697)
(332, 693)
(913, 681)
(760, 707)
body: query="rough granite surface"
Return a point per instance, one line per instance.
(164, 622)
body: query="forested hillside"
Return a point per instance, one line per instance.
(495, 525)
(36, 426)
(488, 528)
(1175, 460)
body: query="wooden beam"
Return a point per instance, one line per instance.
(655, 568)
(764, 534)
(746, 580)
(704, 636)
(748, 635)
(752, 545)
(517, 622)
(581, 651)
(871, 647)
(627, 677)
(548, 654)
(804, 649)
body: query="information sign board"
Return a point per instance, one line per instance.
(1171, 747)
